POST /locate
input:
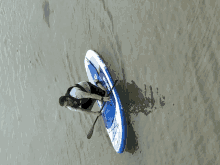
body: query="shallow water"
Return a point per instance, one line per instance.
(165, 54)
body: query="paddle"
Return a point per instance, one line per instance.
(92, 128)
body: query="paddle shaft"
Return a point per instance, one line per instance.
(92, 128)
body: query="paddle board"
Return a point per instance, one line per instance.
(112, 113)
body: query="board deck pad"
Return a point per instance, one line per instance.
(112, 113)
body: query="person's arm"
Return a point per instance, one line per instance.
(102, 87)
(92, 96)
(95, 96)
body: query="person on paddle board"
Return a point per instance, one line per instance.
(83, 95)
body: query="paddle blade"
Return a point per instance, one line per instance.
(90, 133)
(91, 130)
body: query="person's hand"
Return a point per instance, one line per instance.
(106, 99)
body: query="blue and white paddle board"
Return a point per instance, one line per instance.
(112, 113)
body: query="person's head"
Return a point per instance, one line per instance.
(68, 101)
(62, 100)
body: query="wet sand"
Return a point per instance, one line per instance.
(165, 55)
